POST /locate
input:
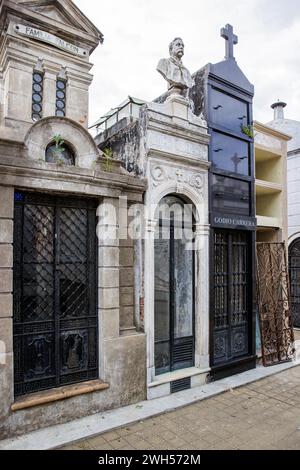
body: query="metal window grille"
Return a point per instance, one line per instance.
(55, 303)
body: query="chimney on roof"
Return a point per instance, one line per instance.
(278, 110)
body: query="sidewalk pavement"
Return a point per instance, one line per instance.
(214, 418)
(260, 415)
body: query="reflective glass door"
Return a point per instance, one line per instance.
(174, 292)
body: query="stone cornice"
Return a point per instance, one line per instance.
(11, 51)
(178, 131)
(90, 38)
(19, 172)
(270, 131)
(197, 163)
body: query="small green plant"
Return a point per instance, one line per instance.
(57, 149)
(108, 155)
(59, 142)
(247, 130)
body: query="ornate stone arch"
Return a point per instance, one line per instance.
(41, 134)
(194, 188)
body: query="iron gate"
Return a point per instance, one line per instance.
(294, 266)
(277, 337)
(231, 286)
(55, 314)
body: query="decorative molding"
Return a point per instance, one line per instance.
(161, 174)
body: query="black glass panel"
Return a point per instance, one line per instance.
(229, 154)
(230, 195)
(228, 111)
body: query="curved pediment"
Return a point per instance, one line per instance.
(43, 132)
(61, 15)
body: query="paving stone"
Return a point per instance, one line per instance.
(262, 415)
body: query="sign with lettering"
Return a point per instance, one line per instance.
(233, 221)
(43, 36)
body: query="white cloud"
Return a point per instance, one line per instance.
(137, 34)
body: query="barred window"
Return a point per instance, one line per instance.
(37, 96)
(61, 86)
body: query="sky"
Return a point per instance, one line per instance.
(137, 34)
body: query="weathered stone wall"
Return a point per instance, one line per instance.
(6, 305)
(124, 140)
(125, 371)
(122, 351)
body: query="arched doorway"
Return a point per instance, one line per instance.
(174, 287)
(294, 268)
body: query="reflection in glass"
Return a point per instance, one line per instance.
(162, 302)
(183, 279)
(174, 286)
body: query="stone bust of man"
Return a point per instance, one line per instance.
(172, 69)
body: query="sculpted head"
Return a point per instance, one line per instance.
(176, 48)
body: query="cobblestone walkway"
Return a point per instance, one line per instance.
(261, 415)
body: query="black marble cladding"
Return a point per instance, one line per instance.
(223, 95)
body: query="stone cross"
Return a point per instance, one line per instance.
(231, 40)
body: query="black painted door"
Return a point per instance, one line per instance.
(231, 284)
(55, 285)
(174, 294)
(294, 267)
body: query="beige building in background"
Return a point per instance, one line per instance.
(271, 183)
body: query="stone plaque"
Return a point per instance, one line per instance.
(55, 41)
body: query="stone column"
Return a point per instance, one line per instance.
(6, 299)
(149, 296)
(108, 262)
(202, 297)
(127, 275)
